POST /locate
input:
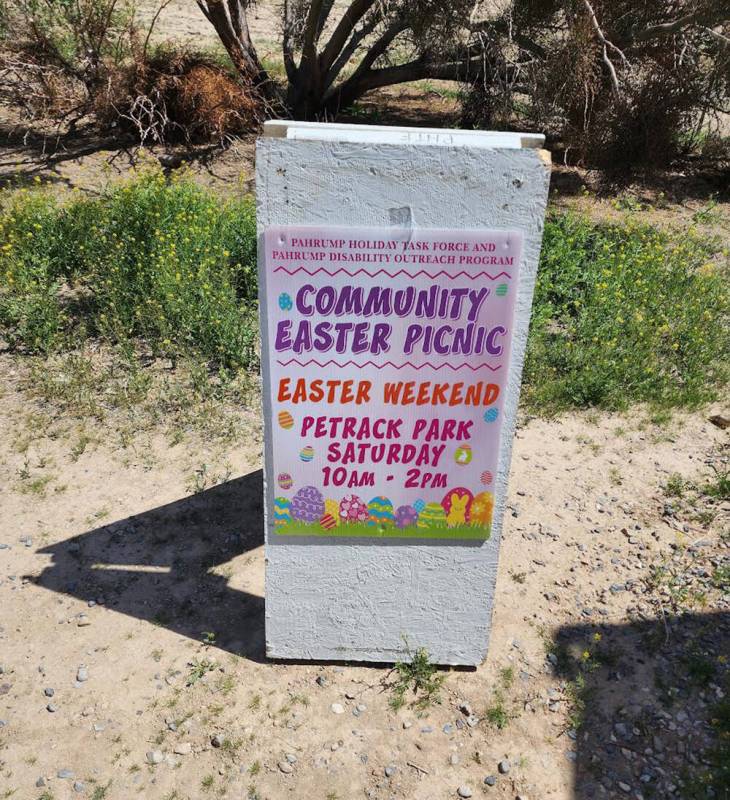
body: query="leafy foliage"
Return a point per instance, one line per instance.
(625, 313)
(157, 260)
(622, 313)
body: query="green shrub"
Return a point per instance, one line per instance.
(622, 312)
(162, 261)
(625, 313)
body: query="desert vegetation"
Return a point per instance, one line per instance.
(623, 311)
(613, 84)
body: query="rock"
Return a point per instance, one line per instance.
(40, 783)
(390, 770)
(48, 692)
(155, 757)
(217, 740)
(82, 674)
(337, 708)
(407, 724)
(99, 727)
(464, 791)
(503, 766)
(454, 759)
(79, 787)
(183, 749)
(65, 774)
(490, 780)
(285, 767)
(52, 708)
(83, 621)
(291, 758)
(362, 707)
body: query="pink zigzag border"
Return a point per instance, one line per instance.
(393, 274)
(387, 364)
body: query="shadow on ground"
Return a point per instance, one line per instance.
(651, 715)
(156, 566)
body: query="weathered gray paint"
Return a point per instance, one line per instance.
(347, 600)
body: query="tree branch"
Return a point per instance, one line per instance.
(606, 44)
(355, 12)
(459, 69)
(351, 48)
(703, 17)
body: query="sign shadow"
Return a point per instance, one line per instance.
(159, 565)
(643, 699)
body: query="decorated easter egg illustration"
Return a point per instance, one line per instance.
(419, 505)
(501, 290)
(285, 480)
(491, 414)
(286, 420)
(462, 454)
(481, 508)
(432, 516)
(332, 507)
(352, 509)
(308, 504)
(380, 511)
(307, 453)
(282, 511)
(285, 302)
(327, 521)
(486, 477)
(456, 504)
(406, 516)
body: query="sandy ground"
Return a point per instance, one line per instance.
(137, 603)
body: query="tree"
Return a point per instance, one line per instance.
(333, 57)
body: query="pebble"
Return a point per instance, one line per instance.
(217, 740)
(285, 767)
(82, 674)
(490, 780)
(337, 708)
(321, 680)
(40, 783)
(390, 770)
(65, 774)
(79, 786)
(155, 757)
(503, 767)
(183, 749)
(52, 708)
(48, 692)
(407, 724)
(291, 758)
(464, 791)
(454, 759)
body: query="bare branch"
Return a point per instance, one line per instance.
(606, 44)
(355, 12)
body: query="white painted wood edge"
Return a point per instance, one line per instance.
(383, 134)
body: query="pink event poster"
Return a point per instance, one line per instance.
(388, 352)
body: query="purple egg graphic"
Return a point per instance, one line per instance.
(307, 504)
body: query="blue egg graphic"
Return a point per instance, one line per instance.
(285, 302)
(491, 414)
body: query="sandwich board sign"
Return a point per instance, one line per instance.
(396, 269)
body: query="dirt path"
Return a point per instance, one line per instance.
(131, 629)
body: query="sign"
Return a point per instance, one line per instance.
(388, 353)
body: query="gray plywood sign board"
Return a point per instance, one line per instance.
(396, 269)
